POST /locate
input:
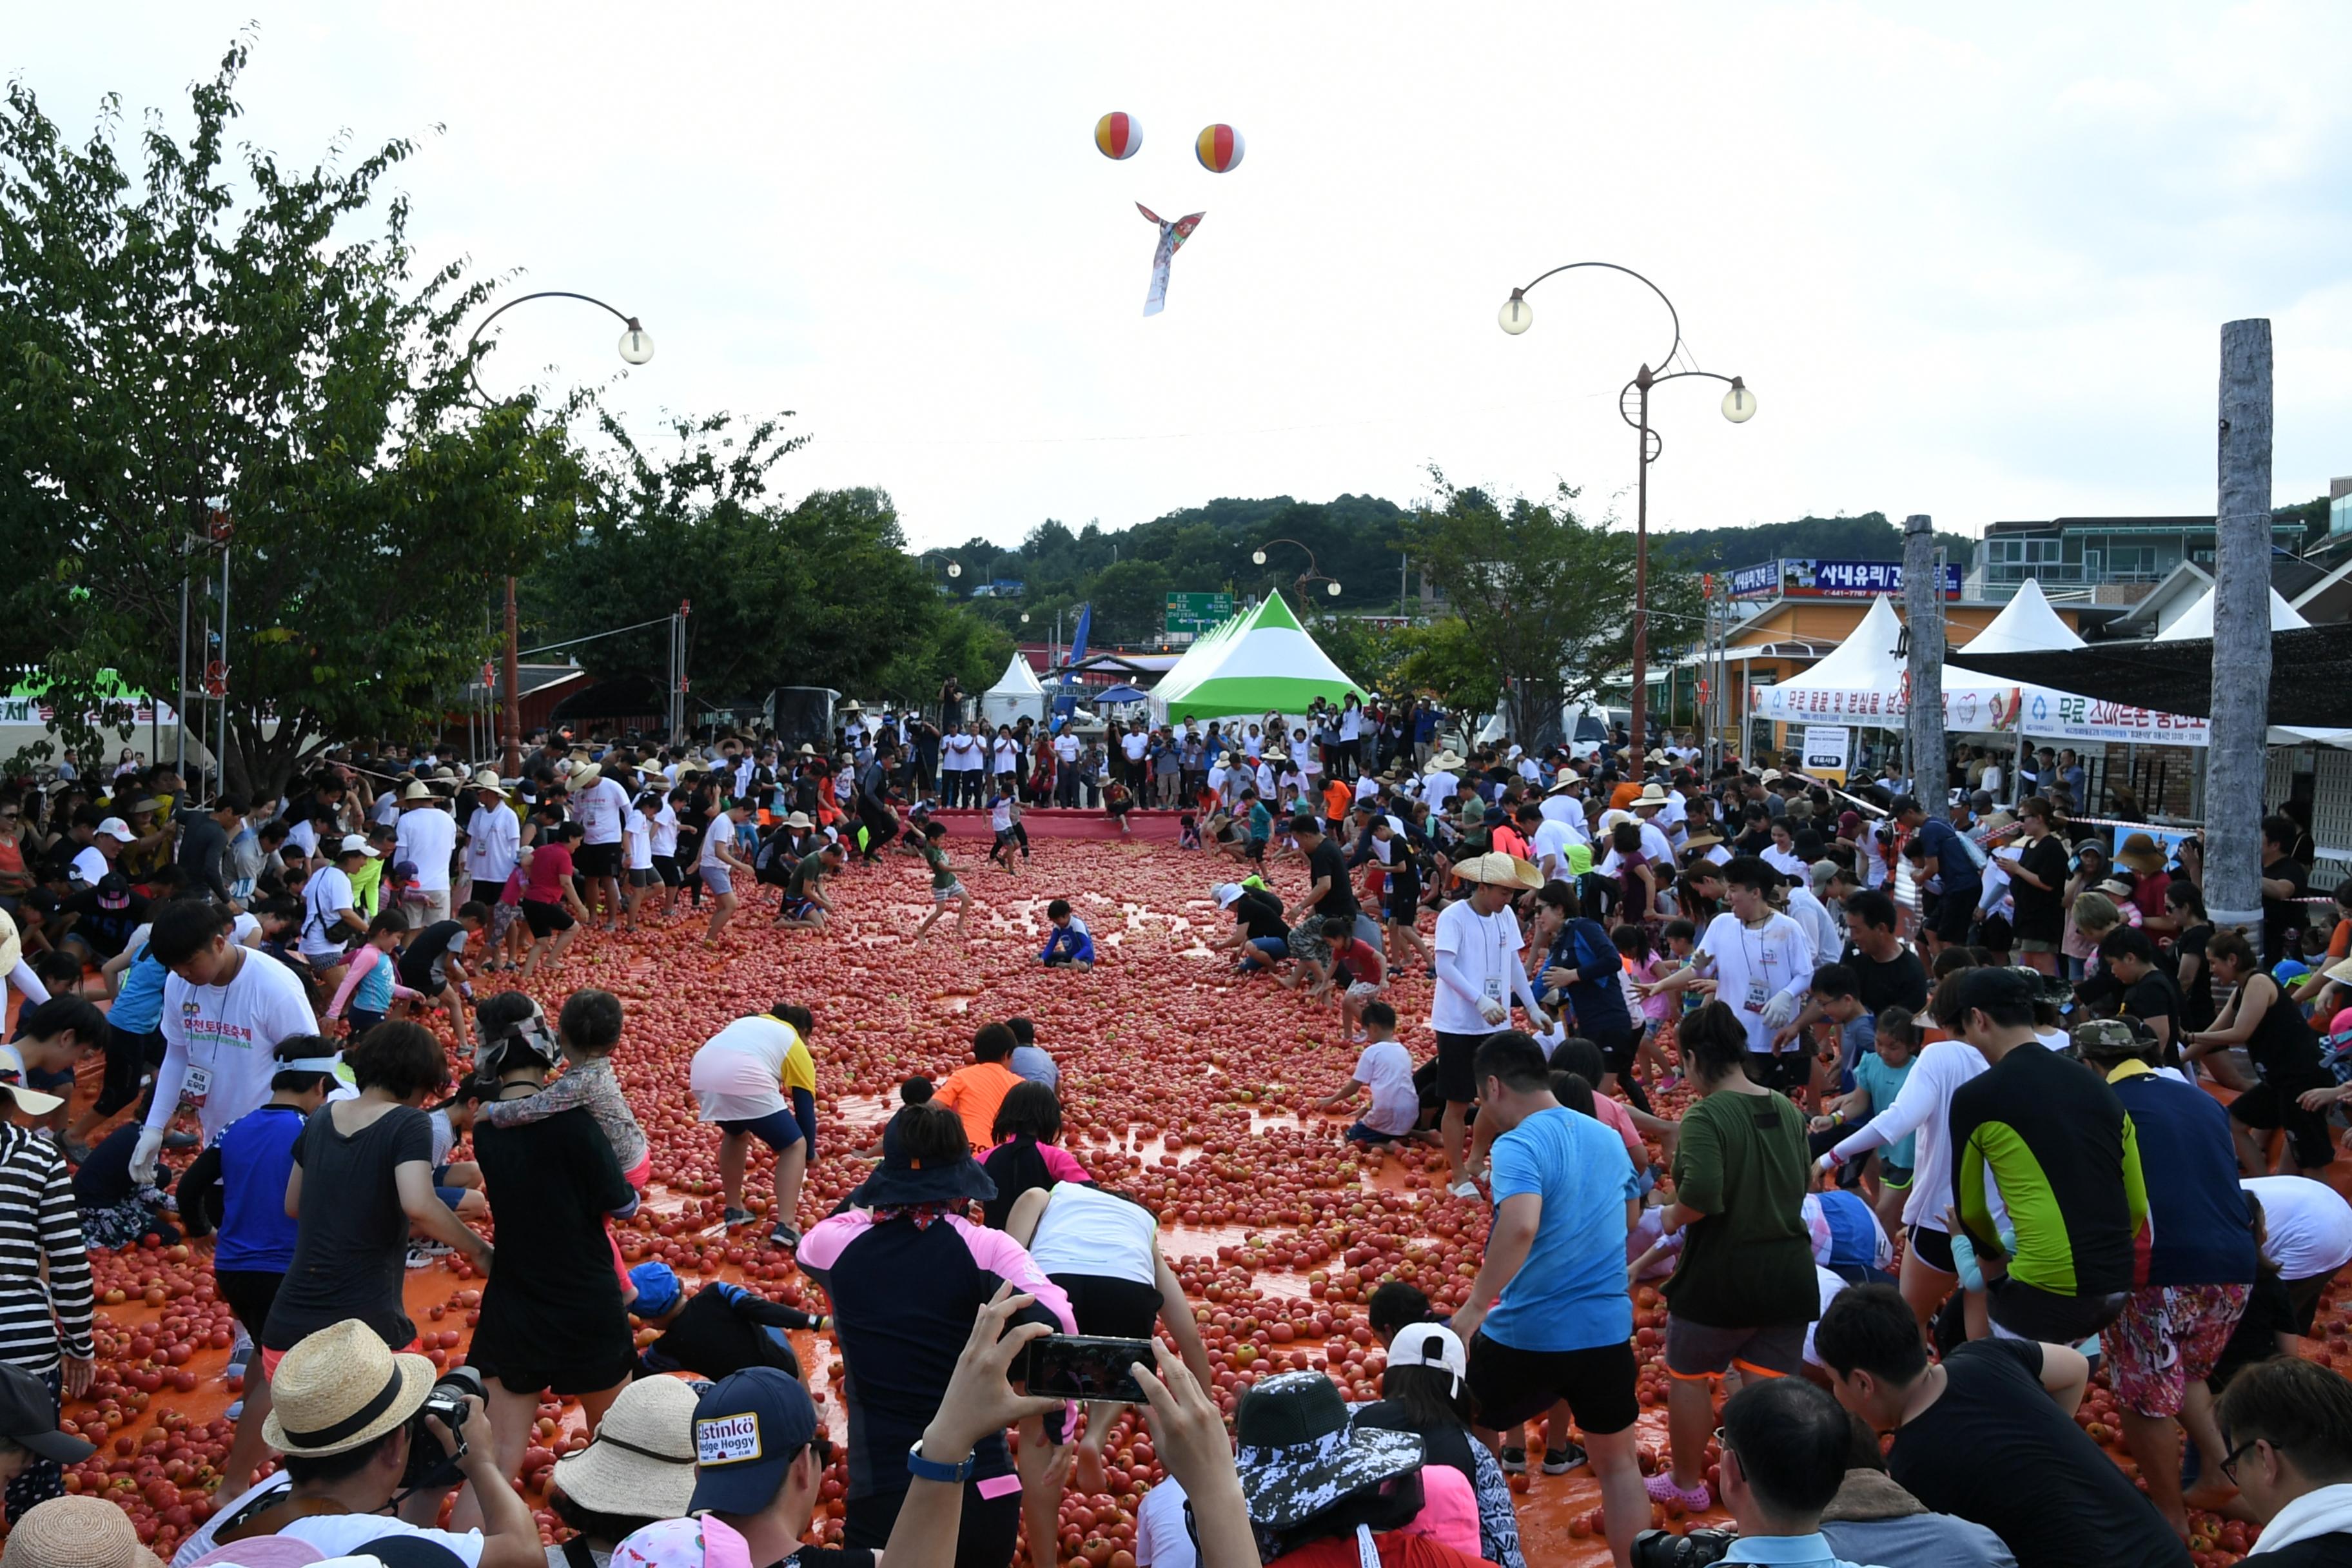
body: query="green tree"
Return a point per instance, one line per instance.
(819, 592)
(189, 340)
(1543, 594)
(1130, 601)
(1444, 658)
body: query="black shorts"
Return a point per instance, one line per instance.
(487, 893)
(2278, 1105)
(248, 1292)
(545, 920)
(1954, 916)
(598, 859)
(1111, 1309)
(1934, 1248)
(665, 867)
(1457, 1083)
(129, 1057)
(1784, 1071)
(1516, 1385)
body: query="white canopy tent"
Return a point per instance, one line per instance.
(1863, 681)
(1015, 696)
(2026, 625)
(2197, 621)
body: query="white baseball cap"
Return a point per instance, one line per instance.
(1430, 1344)
(115, 827)
(356, 844)
(1226, 892)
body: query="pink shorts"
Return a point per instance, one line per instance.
(2166, 1336)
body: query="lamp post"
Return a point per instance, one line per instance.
(1738, 407)
(1330, 585)
(636, 347)
(955, 567)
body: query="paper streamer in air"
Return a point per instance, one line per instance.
(1172, 236)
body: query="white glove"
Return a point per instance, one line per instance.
(142, 1156)
(1494, 1012)
(1781, 1011)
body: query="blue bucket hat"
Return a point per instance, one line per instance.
(657, 1289)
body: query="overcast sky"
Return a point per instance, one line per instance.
(1973, 263)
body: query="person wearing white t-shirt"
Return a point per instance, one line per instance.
(1438, 784)
(602, 805)
(1552, 843)
(331, 918)
(1820, 926)
(1479, 975)
(493, 839)
(1760, 961)
(2306, 1232)
(226, 1008)
(1067, 747)
(961, 765)
(426, 840)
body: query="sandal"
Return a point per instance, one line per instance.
(1662, 1488)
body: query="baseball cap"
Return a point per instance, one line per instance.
(1226, 894)
(29, 1418)
(1430, 1344)
(356, 844)
(114, 891)
(115, 827)
(747, 1427)
(31, 1102)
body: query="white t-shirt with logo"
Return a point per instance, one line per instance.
(1065, 746)
(1753, 964)
(493, 840)
(217, 1040)
(1485, 947)
(603, 806)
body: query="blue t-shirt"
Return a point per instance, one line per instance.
(1570, 1294)
(257, 1154)
(1853, 1229)
(1882, 1083)
(140, 1006)
(2201, 1235)
(1954, 864)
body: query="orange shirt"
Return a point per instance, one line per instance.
(1622, 797)
(1338, 797)
(974, 1093)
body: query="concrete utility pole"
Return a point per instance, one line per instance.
(2236, 761)
(1923, 614)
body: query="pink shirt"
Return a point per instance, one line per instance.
(1449, 1509)
(1060, 1163)
(1609, 1108)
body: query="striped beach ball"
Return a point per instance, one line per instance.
(1219, 148)
(1117, 135)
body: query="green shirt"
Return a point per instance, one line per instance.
(937, 859)
(1749, 1263)
(367, 887)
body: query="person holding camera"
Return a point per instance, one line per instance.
(366, 1431)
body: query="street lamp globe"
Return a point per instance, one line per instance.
(1332, 589)
(637, 343)
(1258, 557)
(1515, 317)
(1025, 617)
(1738, 404)
(955, 569)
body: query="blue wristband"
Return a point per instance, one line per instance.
(924, 1469)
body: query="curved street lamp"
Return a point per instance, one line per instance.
(1331, 585)
(636, 347)
(1633, 406)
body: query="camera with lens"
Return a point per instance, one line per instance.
(1665, 1549)
(431, 1463)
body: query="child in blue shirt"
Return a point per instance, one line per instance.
(1070, 944)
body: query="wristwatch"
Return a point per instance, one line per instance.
(924, 1469)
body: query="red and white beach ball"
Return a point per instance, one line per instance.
(1219, 148)
(1117, 135)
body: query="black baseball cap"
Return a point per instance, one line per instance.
(29, 1418)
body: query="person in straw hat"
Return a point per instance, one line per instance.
(428, 841)
(1479, 975)
(76, 1532)
(493, 838)
(346, 1411)
(637, 1469)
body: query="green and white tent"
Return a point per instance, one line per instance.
(1260, 661)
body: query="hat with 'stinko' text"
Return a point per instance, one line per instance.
(747, 1427)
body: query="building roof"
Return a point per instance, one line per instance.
(2103, 525)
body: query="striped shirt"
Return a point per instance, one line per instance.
(40, 1225)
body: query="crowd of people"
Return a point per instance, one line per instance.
(1914, 1117)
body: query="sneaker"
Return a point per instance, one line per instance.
(179, 1139)
(426, 1254)
(1559, 1461)
(235, 1409)
(1514, 1461)
(1464, 1189)
(1662, 1488)
(737, 1217)
(786, 1236)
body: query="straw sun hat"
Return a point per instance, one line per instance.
(1498, 868)
(76, 1532)
(340, 1387)
(641, 1460)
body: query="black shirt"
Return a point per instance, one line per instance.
(721, 1330)
(105, 929)
(553, 1308)
(2197, 1009)
(2040, 911)
(424, 953)
(1900, 981)
(2283, 919)
(1261, 913)
(1995, 1447)
(2283, 1048)
(2154, 996)
(1327, 860)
